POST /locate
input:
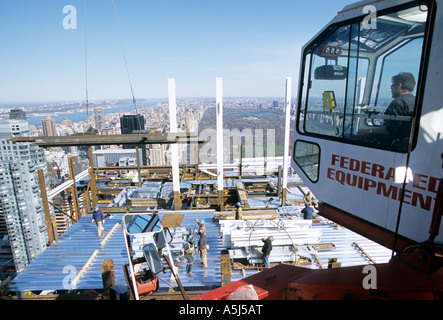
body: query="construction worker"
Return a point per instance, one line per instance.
(188, 252)
(99, 219)
(238, 211)
(307, 211)
(201, 224)
(203, 248)
(308, 198)
(266, 250)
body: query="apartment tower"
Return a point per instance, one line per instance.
(20, 194)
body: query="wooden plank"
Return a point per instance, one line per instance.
(318, 261)
(108, 276)
(171, 220)
(247, 215)
(51, 232)
(149, 202)
(84, 268)
(363, 252)
(110, 233)
(241, 193)
(226, 271)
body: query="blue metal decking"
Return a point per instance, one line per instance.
(59, 264)
(56, 267)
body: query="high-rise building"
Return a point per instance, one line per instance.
(275, 104)
(48, 125)
(157, 155)
(99, 118)
(131, 124)
(17, 114)
(6, 260)
(20, 193)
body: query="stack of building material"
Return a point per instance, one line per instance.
(244, 238)
(179, 237)
(247, 215)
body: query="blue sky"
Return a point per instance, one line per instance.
(252, 44)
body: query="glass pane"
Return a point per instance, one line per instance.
(353, 75)
(305, 88)
(162, 238)
(357, 73)
(307, 156)
(153, 259)
(387, 120)
(326, 96)
(141, 223)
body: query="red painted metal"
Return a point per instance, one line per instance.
(406, 276)
(268, 283)
(416, 273)
(147, 287)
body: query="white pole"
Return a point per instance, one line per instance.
(174, 147)
(287, 142)
(219, 121)
(131, 266)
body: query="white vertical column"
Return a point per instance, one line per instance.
(174, 147)
(286, 141)
(219, 122)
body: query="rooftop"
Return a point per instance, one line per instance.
(75, 261)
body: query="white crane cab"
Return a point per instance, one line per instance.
(368, 138)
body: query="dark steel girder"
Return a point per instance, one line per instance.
(90, 140)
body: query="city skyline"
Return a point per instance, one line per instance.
(252, 45)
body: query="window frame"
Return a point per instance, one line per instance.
(306, 66)
(302, 167)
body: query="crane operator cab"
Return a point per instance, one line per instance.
(369, 106)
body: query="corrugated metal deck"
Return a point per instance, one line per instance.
(55, 268)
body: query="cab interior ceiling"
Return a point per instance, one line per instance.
(390, 30)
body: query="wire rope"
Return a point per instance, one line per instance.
(86, 62)
(138, 119)
(124, 56)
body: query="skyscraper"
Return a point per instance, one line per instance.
(99, 117)
(17, 114)
(48, 125)
(20, 193)
(132, 124)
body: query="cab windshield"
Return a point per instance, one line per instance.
(352, 75)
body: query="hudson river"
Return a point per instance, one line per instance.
(81, 116)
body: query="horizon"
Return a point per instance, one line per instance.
(4, 104)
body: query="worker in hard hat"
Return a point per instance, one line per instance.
(99, 219)
(188, 252)
(266, 250)
(307, 211)
(203, 248)
(238, 211)
(201, 224)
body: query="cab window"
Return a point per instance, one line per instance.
(359, 83)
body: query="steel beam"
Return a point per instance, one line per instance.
(49, 225)
(74, 188)
(132, 138)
